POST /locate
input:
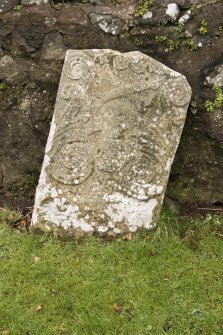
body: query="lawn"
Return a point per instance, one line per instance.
(169, 281)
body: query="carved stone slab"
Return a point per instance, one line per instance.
(115, 130)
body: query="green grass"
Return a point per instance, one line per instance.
(165, 282)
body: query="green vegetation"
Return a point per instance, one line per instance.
(219, 31)
(171, 44)
(164, 282)
(207, 3)
(218, 102)
(143, 7)
(182, 40)
(174, 45)
(203, 27)
(3, 86)
(18, 7)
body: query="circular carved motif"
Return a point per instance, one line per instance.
(139, 66)
(178, 92)
(71, 162)
(75, 68)
(121, 63)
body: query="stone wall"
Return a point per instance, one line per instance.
(34, 36)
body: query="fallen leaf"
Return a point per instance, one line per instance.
(5, 332)
(36, 259)
(22, 220)
(127, 237)
(117, 308)
(39, 308)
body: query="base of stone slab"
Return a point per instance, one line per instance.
(79, 234)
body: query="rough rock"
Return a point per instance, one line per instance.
(173, 11)
(53, 47)
(115, 130)
(108, 23)
(11, 72)
(215, 77)
(34, 2)
(6, 5)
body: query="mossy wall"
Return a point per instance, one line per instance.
(187, 37)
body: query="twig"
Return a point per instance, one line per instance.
(210, 209)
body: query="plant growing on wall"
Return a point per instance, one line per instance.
(3, 86)
(143, 7)
(218, 102)
(203, 27)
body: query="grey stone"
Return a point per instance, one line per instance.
(53, 47)
(116, 126)
(171, 205)
(173, 11)
(216, 124)
(6, 5)
(10, 71)
(186, 17)
(108, 23)
(215, 77)
(34, 2)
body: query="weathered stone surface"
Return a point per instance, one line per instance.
(108, 23)
(6, 5)
(53, 47)
(34, 2)
(215, 77)
(116, 126)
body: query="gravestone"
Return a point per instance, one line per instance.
(115, 130)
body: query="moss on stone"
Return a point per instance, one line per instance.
(143, 7)
(3, 86)
(181, 39)
(217, 103)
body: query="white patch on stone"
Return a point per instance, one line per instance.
(173, 10)
(114, 30)
(50, 21)
(117, 231)
(216, 77)
(148, 15)
(43, 189)
(53, 192)
(185, 17)
(102, 229)
(66, 216)
(138, 214)
(168, 164)
(51, 136)
(111, 224)
(104, 26)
